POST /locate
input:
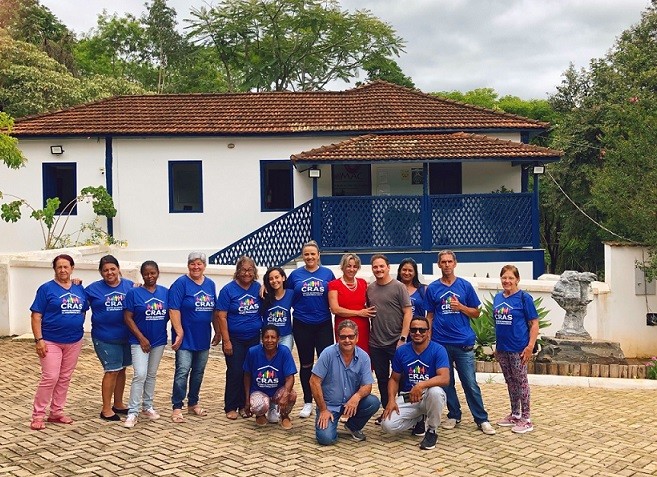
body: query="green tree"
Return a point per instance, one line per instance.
(10, 154)
(379, 67)
(290, 44)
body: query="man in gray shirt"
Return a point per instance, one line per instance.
(391, 323)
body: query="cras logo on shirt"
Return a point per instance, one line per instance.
(267, 377)
(446, 302)
(312, 287)
(277, 316)
(247, 304)
(155, 309)
(71, 304)
(503, 314)
(203, 301)
(114, 301)
(417, 371)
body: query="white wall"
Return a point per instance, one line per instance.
(486, 177)
(27, 183)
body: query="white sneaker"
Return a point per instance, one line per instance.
(450, 423)
(486, 428)
(131, 420)
(273, 415)
(151, 414)
(307, 410)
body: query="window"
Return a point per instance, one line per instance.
(59, 180)
(185, 186)
(276, 192)
(445, 178)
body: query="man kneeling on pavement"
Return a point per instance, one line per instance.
(419, 369)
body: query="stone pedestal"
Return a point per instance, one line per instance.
(580, 350)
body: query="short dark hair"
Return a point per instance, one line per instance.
(107, 259)
(377, 256)
(348, 324)
(273, 328)
(420, 318)
(63, 256)
(148, 263)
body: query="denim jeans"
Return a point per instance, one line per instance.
(367, 407)
(145, 367)
(190, 365)
(234, 395)
(464, 362)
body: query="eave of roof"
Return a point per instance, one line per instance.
(426, 147)
(375, 107)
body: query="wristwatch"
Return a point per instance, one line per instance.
(36, 340)
(402, 339)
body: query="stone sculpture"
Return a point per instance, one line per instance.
(573, 293)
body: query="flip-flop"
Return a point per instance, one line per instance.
(61, 419)
(197, 411)
(120, 411)
(37, 425)
(261, 420)
(243, 413)
(286, 423)
(232, 415)
(177, 416)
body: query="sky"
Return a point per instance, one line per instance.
(517, 47)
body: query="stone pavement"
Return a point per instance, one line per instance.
(578, 432)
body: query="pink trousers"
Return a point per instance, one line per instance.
(56, 370)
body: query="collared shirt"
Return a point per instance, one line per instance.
(339, 381)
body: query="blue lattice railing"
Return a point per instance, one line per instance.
(391, 223)
(275, 243)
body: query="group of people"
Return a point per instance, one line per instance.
(411, 336)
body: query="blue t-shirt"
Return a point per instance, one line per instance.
(310, 294)
(340, 382)
(62, 311)
(196, 306)
(512, 320)
(418, 305)
(150, 313)
(279, 313)
(415, 367)
(242, 308)
(106, 305)
(450, 326)
(268, 375)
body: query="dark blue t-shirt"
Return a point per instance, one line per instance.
(450, 326)
(62, 311)
(150, 313)
(415, 367)
(279, 313)
(106, 305)
(268, 375)
(310, 294)
(512, 320)
(196, 306)
(242, 308)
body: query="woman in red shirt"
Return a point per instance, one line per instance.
(347, 299)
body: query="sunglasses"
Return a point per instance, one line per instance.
(419, 330)
(347, 337)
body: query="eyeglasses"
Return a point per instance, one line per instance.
(419, 330)
(347, 337)
(247, 270)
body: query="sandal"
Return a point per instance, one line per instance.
(232, 415)
(37, 424)
(61, 419)
(197, 411)
(177, 416)
(261, 420)
(243, 413)
(286, 423)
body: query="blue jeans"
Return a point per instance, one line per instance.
(234, 395)
(464, 362)
(145, 367)
(189, 365)
(367, 407)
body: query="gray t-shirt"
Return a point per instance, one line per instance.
(390, 300)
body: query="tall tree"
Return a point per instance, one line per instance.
(291, 44)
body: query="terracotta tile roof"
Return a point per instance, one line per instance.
(416, 147)
(375, 107)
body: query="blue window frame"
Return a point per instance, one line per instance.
(276, 186)
(185, 187)
(60, 180)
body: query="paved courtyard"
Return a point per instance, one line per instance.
(578, 432)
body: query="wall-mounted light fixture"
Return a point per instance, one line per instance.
(539, 169)
(231, 145)
(57, 150)
(314, 173)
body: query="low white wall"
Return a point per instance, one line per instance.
(615, 314)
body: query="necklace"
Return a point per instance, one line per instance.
(350, 286)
